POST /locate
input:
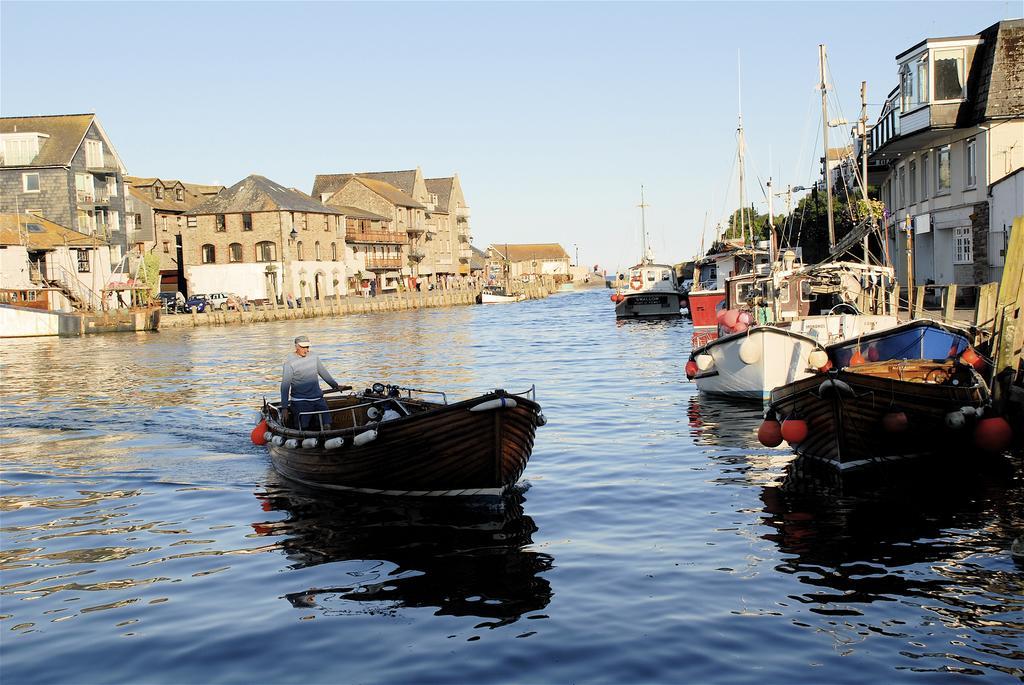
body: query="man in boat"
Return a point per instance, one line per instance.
(300, 386)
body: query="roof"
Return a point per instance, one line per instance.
(259, 194)
(528, 251)
(477, 259)
(203, 188)
(43, 234)
(357, 213)
(332, 183)
(403, 180)
(996, 80)
(442, 187)
(65, 131)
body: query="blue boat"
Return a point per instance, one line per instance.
(918, 339)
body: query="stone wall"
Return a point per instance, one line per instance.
(979, 233)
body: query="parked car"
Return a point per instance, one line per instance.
(218, 300)
(200, 303)
(173, 302)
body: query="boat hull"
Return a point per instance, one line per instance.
(846, 410)
(777, 357)
(648, 304)
(488, 298)
(450, 450)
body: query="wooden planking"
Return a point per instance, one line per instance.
(1009, 312)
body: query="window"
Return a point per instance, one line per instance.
(209, 254)
(163, 222)
(158, 190)
(167, 247)
(192, 222)
(316, 251)
(20, 148)
(266, 251)
(30, 183)
(112, 186)
(222, 224)
(334, 252)
(84, 187)
(963, 250)
(942, 180)
(179, 194)
(298, 250)
(93, 154)
(912, 187)
(949, 74)
(971, 148)
(924, 176)
(901, 197)
(922, 79)
(235, 252)
(83, 261)
(247, 222)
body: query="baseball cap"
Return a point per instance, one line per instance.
(302, 341)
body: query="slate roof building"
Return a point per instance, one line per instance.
(946, 137)
(450, 222)
(526, 261)
(64, 168)
(264, 241)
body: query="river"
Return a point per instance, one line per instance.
(652, 539)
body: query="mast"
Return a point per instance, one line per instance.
(739, 132)
(643, 227)
(824, 135)
(864, 160)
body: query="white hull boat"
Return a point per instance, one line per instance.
(749, 365)
(648, 304)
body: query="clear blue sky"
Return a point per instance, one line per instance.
(552, 114)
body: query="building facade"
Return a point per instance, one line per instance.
(64, 168)
(263, 241)
(945, 140)
(526, 262)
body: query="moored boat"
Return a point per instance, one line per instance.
(498, 294)
(392, 440)
(652, 291)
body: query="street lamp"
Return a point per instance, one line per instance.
(294, 234)
(577, 249)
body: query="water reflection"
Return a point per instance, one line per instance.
(467, 558)
(715, 421)
(935, 540)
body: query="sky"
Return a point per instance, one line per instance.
(552, 114)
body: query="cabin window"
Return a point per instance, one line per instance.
(784, 292)
(806, 294)
(664, 275)
(266, 251)
(222, 224)
(209, 254)
(949, 74)
(247, 222)
(235, 252)
(963, 246)
(30, 183)
(83, 261)
(650, 277)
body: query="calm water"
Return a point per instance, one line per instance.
(145, 539)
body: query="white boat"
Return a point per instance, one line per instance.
(649, 289)
(497, 294)
(748, 361)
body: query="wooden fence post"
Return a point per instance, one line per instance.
(949, 308)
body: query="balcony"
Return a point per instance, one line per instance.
(923, 126)
(376, 237)
(415, 229)
(416, 255)
(465, 254)
(102, 169)
(465, 237)
(463, 214)
(383, 263)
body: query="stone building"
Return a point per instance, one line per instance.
(526, 262)
(407, 218)
(156, 218)
(946, 138)
(64, 168)
(261, 240)
(449, 222)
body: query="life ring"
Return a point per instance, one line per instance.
(636, 283)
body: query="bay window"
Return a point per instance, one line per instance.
(949, 74)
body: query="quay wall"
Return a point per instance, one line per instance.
(341, 306)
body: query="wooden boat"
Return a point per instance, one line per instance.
(882, 410)
(652, 291)
(391, 440)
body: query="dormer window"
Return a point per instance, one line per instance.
(179, 194)
(159, 191)
(20, 148)
(914, 84)
(949, 74)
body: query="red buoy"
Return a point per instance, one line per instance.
(993, 434)
(691, 369)
(972, 358)
(895, 422)
(770, 433)
(257, 433)
(730, 318)
(794, 431)
(857, 358)
(618, 297)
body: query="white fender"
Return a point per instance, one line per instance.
(334, 443)
(364, 437)
(390, 415)
(268, 436)
(277, 440)
(704, 361)
(955, 420)
(969, 412)
(541, 419)
(291, 444)
(498, 403)
(309, 443)
(818, 358)
(750, 351)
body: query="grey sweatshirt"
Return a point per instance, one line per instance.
(301, 376)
